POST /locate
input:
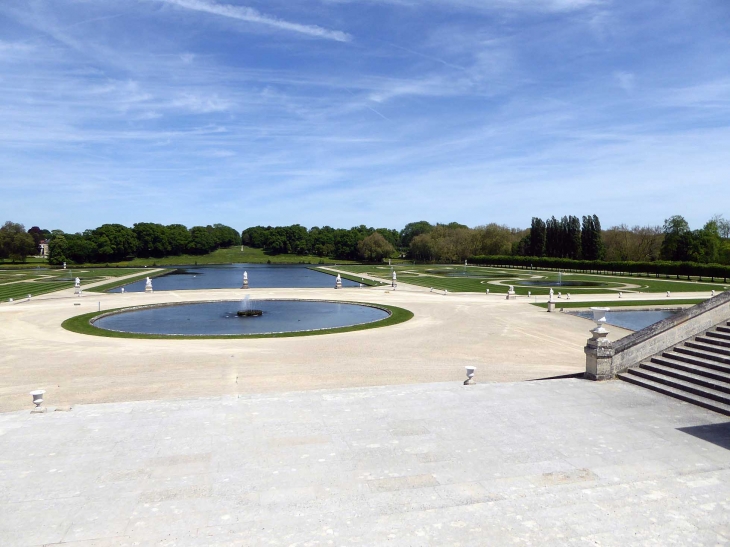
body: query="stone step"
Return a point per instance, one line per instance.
(692, 376)
(719, 334)
(697, 356)
(676, 393)
(695, 365)
(722, 328)
(682, 385)
(710, 348)
(712, 340)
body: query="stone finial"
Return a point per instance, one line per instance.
(470, 376)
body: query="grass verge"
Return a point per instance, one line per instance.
(81, 324)
(355, 278)
(621, 304)
(122, 282)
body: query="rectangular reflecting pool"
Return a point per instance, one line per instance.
(230, 276)
(631, 319)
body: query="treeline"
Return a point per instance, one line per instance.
(570, 238)
(358, 243)
(420, 241)
(115, 242)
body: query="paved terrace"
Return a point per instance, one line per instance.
(506, 340)
(558, 462)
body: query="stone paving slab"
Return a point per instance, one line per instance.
(559, 462)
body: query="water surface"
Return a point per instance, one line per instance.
(216, 318)
(260, 276)
(631, 319)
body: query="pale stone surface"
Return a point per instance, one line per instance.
(559, 462)
(506, 340)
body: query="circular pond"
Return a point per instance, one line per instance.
(570, 284)
(222, 318)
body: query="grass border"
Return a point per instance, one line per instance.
(623, 303)
(82, 324)
(350, 277)
(123, 282)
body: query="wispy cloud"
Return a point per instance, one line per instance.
(251, 15)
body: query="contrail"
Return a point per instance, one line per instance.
(251, 15)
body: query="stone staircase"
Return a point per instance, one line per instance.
(696, 371)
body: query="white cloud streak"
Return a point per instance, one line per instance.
(251, 15)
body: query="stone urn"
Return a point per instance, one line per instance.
(37, 398)
(470, 375)
(599, 317)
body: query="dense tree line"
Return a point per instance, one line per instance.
(115, 242)
(324, 242)
(569, 238)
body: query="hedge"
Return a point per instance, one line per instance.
(658, 268)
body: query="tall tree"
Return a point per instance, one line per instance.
(591, 241)
(573, 245)
(374, 248)
(537, 237)
(414, 229)
(16, 243)
(677, 242)
(552, 238)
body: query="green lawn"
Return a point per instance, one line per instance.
(355, 278)
(20, 290)
(479, 279)
(232, 255)
(120, 283)
(17, 284)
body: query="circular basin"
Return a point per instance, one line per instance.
(222, 318)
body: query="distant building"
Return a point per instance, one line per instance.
(43, 248)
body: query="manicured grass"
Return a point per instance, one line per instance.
(231, 255)
(122, 282)
(20, 290)
(355, 278)
(20, 283)
(622, 303)
(479, 279)
(81, 325)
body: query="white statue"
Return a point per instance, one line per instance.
(338, 282)
(148, 285)
(551, 294)
(245, 276)
(77, 283)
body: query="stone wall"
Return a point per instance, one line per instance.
(605, 359)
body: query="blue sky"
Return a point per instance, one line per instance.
(376, 112)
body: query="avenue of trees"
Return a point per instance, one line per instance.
(115, 242)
